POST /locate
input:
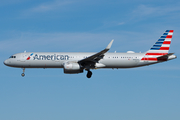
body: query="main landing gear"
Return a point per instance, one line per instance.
(89, 74)
(23, 72)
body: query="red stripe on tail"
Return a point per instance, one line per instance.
(156, 53)
(167, 42)
(171, 31)
(169, 36)
(164, 48)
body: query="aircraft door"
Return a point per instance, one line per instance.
(23, 58)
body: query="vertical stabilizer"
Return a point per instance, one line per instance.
(162, 45)
(160, 48)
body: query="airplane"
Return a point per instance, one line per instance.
(74, 63)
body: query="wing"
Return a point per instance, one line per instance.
(91, 60)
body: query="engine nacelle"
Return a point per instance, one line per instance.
(72, 68)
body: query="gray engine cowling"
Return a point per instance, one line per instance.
(72, 68)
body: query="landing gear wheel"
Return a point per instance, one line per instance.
(89, 74)
(22, 74)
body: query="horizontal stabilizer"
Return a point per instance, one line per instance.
(164, 57)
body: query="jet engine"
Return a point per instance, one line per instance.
(72, 68)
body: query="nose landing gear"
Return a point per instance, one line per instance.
(23, 72)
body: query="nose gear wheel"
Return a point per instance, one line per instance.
(23, 72)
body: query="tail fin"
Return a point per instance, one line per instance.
(161, 47)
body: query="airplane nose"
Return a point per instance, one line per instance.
(6, 62)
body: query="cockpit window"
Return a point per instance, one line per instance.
(12, 57)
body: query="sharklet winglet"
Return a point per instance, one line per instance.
(110, 44)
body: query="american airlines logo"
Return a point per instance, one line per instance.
(51, 57)
(29, 56)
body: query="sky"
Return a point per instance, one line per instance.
(150, 92)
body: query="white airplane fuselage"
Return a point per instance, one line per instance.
(74, 63)
(57, 60)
